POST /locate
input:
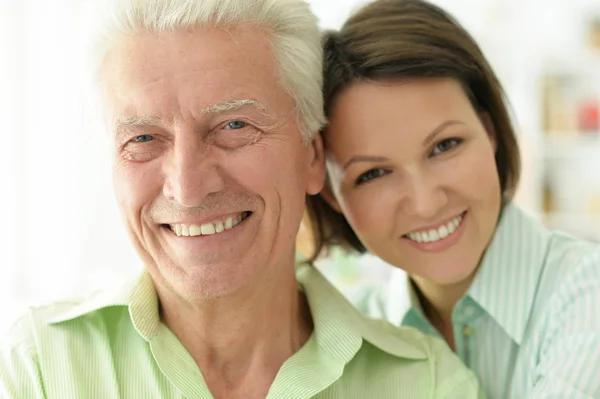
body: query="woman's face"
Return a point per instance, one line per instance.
(412, 167)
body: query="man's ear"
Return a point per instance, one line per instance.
(488, 124)
(317, 176)
(316, 166)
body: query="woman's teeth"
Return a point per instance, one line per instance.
(440, 233)
(206, 229)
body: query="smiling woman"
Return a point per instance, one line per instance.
(422, 165)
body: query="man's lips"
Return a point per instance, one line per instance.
(215, 226)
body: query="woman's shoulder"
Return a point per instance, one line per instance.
(569, 260)
(569, 284)
(550, 258)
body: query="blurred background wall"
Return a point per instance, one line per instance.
(62, 234)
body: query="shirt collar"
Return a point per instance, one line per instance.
(338, 327)
(137, 294)
(509, 273)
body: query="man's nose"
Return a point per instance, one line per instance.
(192, 173)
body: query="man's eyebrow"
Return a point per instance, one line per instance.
(232, 105)
(135, 121)
(122, 124)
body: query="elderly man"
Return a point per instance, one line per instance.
(214, 107)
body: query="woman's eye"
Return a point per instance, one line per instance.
(370, 175)
(236, 125)
(445, 146)
(144, 138)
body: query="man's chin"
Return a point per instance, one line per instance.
(206, 278)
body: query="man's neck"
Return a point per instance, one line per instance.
(241, 341)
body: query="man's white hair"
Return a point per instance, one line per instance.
(296, 39)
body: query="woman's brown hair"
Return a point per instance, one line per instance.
(398, 39)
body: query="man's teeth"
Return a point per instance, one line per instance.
(437, 234)
(206, 229)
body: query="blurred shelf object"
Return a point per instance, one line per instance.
(570, 102)
(594, 33)
(569, 137)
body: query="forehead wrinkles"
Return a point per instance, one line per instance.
(143, 58)
(256, 79)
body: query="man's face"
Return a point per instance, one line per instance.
(210, 170)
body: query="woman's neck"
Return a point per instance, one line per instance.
(438, 302)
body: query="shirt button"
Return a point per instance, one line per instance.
(468, 331)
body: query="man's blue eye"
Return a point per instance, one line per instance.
(236, 125)
(143, 138)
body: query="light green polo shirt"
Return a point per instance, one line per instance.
(114, 345)
(529, 325)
